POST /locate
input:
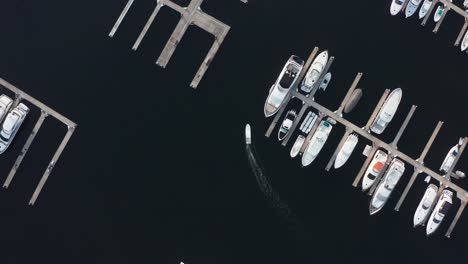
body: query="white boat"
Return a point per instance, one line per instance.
(440, 12)
(387, 111)
(316, 143)
(326, 80)
(297, 146)
(424, 207)
(440, 210)
(374, 169)
(248, 135)
(286, 125)
(464, 44)
(5, 105)
(425, 8)
(386, 186)
(282, 86)
(397, 6)
(412, 7)
(451, 156)
(11, 125)
(346, 151)
(314, 72)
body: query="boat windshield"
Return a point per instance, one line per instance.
(288, 77)
(399, 2)
(371, 176)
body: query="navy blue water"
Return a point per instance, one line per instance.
(157, 172)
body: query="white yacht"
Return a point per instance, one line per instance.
(397, 6)
(387, 111)
(248, 135)
(346, 151)
(314, 72)
(5, 105)
(297, 146)
(464, 44)
(386, 186)
(11, 125)
(326, 80)
(282, 86)
(440, 210)
(425, 8)
(424, 207)
(316, 143)
(286, 125)
(375, 168)
(412, 7)
(440, 12)
(450, 158)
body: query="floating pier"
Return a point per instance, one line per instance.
(45, 112)
(191, 15)
(391, 149)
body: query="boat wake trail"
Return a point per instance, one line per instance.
(267, 189)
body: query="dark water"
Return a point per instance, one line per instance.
(157, 172)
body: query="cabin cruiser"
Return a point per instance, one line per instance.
(282, 86)
(440, 211)
(397, 6)
(5, 105)
(296, 148)
(451, 156)
(316, 143)
(314, 72)
(386, 186)
(286, 125)
(387, 111)
(425, 206)
(375, 168)
(425, 8)
(346, 151)
(11, 125)
(464, 44)
(326, 80)
(412, 7)
(248, 135)
(440, 12)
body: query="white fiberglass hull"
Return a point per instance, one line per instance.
(464, 45)
(396, 7)
(436, 219)
(424, 207)
(425, 8)
(314, 72)
(346, 151)
(371, 174)
(386, 186)
(248, 135)
(441, 9)
(387, 112)
(316, 143)
(297, 146)
(412, 7)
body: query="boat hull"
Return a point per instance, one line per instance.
(297, 146)
(346, 151)
(424, 207)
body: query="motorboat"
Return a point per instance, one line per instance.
(440, 211)
(248, 135)
(451, 156)
(412, 7)
(5, 105)
(425, 206)
(11, 125)
(387, 111)
(464, 44)
(386, 186)
(296, 148)
(397, 6)
(425, 8)
(286, 125)
(283, 84)
(316, 143)
(375, 168)
(314, 72)
(326, 80)
(308, 122)
(440, 12)
(346, 151)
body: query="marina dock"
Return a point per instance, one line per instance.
(191, 15)
(376, 143)
(45, 112)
